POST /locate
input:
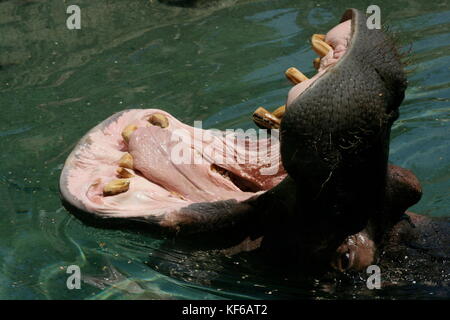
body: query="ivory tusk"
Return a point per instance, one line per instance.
(159, 120)
(126, 161)
(316, 63)
(126, 133)
(319, 45)
(295, 76)
(124, 173)
(279, 112)
(265, 119)
(116, 186)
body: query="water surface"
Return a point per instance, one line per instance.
(216, 64)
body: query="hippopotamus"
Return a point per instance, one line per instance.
(318, 193)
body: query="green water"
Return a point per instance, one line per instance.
(215, 64)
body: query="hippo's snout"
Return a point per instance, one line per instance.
(335, 134)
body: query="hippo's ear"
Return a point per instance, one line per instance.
(403, 190)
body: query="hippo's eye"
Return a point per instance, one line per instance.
(345, 261)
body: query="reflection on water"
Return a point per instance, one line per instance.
(215, 64)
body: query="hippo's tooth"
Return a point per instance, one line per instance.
(126, 161)
(116, 186)
(320, 46)
(319, 36)
(124, 173)
(158, 119)
(295, 76)
(279, 112)
(177, 195)
(265, 119)
(126, 133)
(316, 63)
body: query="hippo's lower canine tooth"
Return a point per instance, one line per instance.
(265, 119)
(124, 173)
(319, 36)
(177, 195)
(295, 76)
(116, 186)
(126, 161)
(320, 46)
(279, 112)
(126, 133)
(158, 119)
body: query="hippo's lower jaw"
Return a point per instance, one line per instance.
(340, 196)
(166, 167)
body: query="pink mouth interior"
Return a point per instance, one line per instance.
(226, 167)
(338, 38)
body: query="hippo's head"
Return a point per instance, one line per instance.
(140, 166)
(335, 141)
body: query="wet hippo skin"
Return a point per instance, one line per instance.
(335, 203)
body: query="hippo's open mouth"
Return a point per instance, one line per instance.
(127, 167)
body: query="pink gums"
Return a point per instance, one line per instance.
(338, 38)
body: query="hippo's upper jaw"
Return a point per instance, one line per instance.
(335, 134)
(335, 144)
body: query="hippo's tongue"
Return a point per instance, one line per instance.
(154, 154)
(199, 167)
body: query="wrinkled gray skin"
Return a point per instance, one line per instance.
(334, 146)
